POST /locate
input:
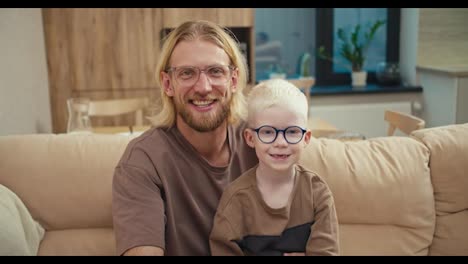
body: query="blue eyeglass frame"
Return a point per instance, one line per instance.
(277, 132)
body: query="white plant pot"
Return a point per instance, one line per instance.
(359, 78)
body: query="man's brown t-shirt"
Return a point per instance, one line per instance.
(165, 194)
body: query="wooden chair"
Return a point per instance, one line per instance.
(404, 122)
(304, 84)
(115, 107)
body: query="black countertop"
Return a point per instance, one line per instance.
(368, 89)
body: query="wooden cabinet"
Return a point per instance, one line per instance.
(100, 53)
(229, 17)
(172, 17)
(106, 53)
(445, 94)
(239, 20)
(236, 17)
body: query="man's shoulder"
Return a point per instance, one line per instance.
(143, 144)
(154, 135)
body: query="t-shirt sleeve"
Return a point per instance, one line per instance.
(222, 238)
(324, 238)
(137, 207)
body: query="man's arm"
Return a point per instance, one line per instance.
(144, 251)
(137, 211)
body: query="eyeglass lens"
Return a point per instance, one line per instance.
(189, 75)
(268, 134)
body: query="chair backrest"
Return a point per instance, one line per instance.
(404, 122)
(304, 84)
(116, 107)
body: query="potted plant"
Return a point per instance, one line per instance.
(353, 49)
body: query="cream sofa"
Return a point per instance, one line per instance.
(394, 195)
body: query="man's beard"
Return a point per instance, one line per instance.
(205, 122)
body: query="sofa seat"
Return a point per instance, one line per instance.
(394, 195)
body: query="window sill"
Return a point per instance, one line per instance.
(368, 89)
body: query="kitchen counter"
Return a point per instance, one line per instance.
(452, 70)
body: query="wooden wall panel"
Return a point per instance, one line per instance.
(172, 17)
(236, 17)
(57, 39)
(99, 49)
(229, 17)
(105, 53)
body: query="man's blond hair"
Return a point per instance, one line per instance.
(206, 31)
(276, 92)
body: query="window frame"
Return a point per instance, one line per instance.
(326, 35)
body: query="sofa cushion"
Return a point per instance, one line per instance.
(20, 234)
(78, 242)
(65, 179)
(449, 166)
(382, 191)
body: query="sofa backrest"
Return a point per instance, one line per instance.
(449, 172)
(64, 180)
(382, 190)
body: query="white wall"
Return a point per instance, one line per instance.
(364, 113)
(409, 25)
(24, 88)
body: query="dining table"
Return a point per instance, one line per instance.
(318, 127)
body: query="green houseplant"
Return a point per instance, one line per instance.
(353, 48)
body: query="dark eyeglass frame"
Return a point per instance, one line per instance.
(277, 132)
(173, 69)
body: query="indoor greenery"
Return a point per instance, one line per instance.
(353, 48)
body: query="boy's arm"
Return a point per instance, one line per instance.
(222, 240)
(324, 238)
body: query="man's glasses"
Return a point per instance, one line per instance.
(188, 75)
(268, 134)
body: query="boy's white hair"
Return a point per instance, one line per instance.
(276, 92)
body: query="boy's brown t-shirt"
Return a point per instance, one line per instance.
(246, 225)
(165, 194)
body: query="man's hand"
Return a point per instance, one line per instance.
(294, 254)
(144, 251)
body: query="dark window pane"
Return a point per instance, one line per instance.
(283, 37)
(385, 46)
(347, 19)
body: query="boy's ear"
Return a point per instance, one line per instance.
(307, 137)
(248, 135)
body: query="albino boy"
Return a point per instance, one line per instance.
(277, 207)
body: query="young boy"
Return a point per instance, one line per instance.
(277, 207)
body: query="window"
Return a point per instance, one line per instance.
(327, 22)
(283, 37)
